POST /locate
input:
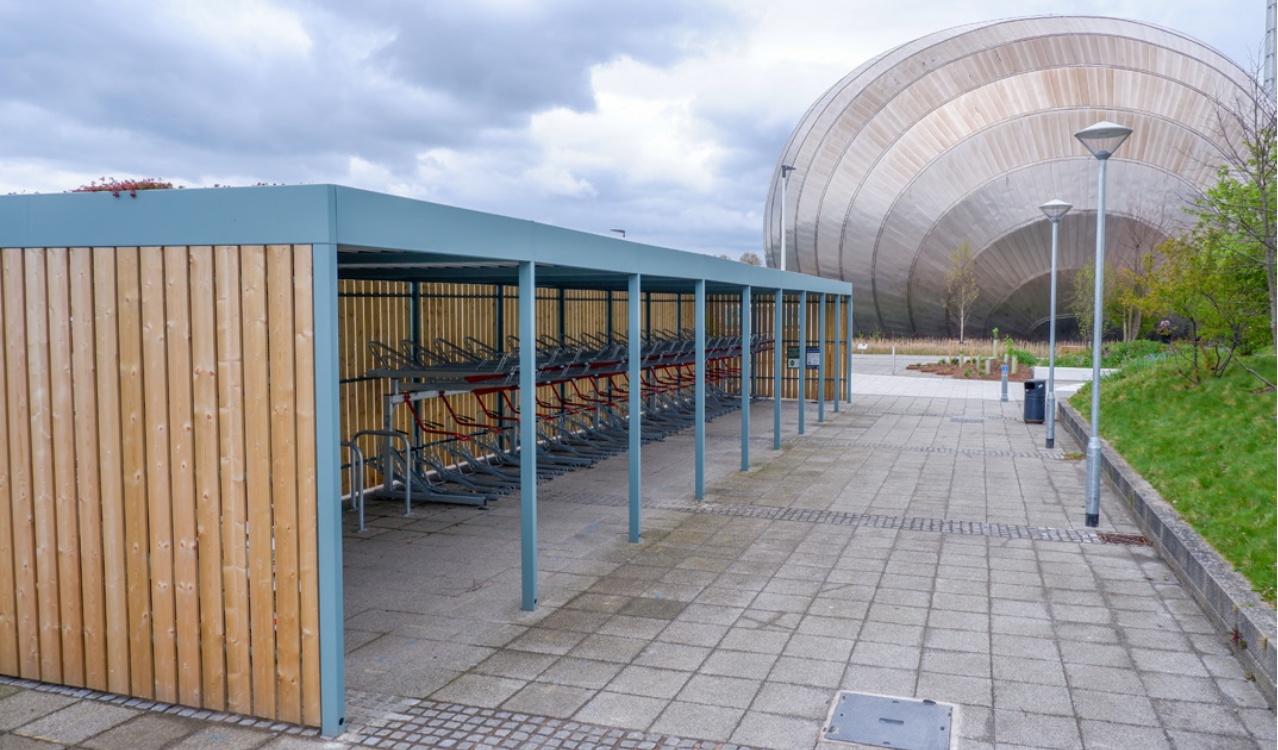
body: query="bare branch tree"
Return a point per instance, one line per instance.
(961, 286)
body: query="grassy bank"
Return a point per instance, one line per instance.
(1209, 449)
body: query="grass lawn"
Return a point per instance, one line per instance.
(1208, 448)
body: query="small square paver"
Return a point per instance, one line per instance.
(77, 722)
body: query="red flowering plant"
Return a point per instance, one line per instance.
(115, 187)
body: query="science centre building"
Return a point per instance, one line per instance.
(957, 138)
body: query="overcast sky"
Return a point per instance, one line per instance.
(661, 117)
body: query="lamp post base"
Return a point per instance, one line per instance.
(1051, 443)
(1093, 520)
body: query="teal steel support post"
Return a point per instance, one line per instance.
(837, 359)
(328, 496)
(850, 340)
(635, 374)
(528, 432)
(778, 365)
(803, 360)
(822, 342)
(701, 388)
(746, 375)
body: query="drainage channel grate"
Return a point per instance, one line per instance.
(852, 443)
(882, 721)
(837, 518)
(1131, 540)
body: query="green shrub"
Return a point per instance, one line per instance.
(1116, 355)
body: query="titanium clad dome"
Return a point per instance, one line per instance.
(960, 135)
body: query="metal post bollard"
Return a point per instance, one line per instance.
(1004, 372)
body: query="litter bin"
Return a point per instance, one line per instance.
(1035, 397)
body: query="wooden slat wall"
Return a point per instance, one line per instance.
(157, 474)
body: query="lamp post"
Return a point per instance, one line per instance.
(1054, 210)
(1102, 140)
(786, 169)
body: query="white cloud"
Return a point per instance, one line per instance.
(664, 117)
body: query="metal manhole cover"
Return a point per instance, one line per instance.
(883, 721)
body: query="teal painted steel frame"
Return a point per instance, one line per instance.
(850, 342)
(328, 492)
(635, 426)
(700, 418)
(747, 375)
(778, 364)
(528, 434)
(837, 359)
(803, 360)
(353, 231)
(821, 363)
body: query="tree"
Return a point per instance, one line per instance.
(961, 286)
(751, 259)
(1238, 211)
(1222, 303)
(1130, 283)
(1082, 303)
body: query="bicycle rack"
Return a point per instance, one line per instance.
(583, 421)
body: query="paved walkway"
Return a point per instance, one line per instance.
(920, 543)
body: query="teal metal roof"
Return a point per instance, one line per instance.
(378, 236)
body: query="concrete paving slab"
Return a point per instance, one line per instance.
(76, 723)
(919, 543)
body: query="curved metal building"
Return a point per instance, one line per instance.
(959, 136)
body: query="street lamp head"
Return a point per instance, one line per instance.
(1103, 138)
(786, 169)
(1055, 209)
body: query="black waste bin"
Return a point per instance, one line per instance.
(1035, 398)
